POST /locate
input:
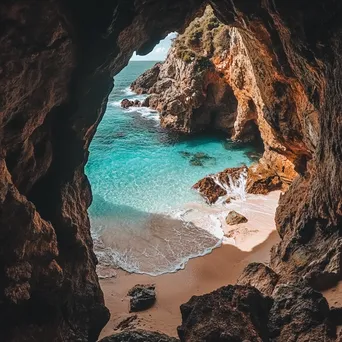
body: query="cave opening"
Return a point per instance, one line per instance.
(58, 60)
(169, 124)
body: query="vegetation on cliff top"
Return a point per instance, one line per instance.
(204, 37)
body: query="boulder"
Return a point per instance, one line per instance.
(125, 103)
(146, 102)
(299, 313)
(295, 312)
(143, 297)
(231, 313)
(260, 276)
(211, 191)
(234, 218)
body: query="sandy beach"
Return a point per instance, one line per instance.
(249, 242)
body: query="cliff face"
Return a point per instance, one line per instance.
(191, 96)
(210, 81)
(57, 63)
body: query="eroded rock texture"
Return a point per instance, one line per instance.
(57, 63)
(241, 313)
(296, 63)
(231, 313)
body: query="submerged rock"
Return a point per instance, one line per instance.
(198, 158)
(185, 154)
(234, 218)
(195, 162)
(143, 297)
(139, 336)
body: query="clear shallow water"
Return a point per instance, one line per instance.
(140, 172)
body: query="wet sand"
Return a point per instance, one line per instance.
(201, 275)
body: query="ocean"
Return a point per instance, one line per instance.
(141, 177)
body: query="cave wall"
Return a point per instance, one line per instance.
(295, 47)
(57, 62)
(58, 59)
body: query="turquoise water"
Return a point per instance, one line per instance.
(137, 169)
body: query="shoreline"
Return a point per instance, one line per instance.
(201, 275)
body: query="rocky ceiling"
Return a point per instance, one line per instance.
(57, 61)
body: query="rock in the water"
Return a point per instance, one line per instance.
(260, 276)
(126, 103)
(234, 218)
(143, 297)
(211, 191)
(139, 336)
(195, 162)
(146, 102)
(231, 313)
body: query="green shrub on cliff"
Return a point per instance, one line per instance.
(204, 37)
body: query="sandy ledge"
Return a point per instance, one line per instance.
(201, 275)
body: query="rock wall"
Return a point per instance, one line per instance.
(190, 96)
(57, 62)
(211, 80)
(58, 59)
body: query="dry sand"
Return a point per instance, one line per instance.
(201, 275)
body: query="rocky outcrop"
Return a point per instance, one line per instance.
(187, 90)
(231, 313)
(208, 82)
(57, 63)
(142, 297)
(238, 313)
(189, 96)
(212, 187)
(147, 80)
(234, 218)
(259, 276)
(299, 313)
(139, 336)
(257, 179)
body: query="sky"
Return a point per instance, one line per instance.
(159, 52)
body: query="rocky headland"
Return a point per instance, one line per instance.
(208, 83)
(280, 72)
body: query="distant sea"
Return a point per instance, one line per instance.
(141, 177)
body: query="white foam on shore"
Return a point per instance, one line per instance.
(165, 243)
(128, 91)
(155, 246)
